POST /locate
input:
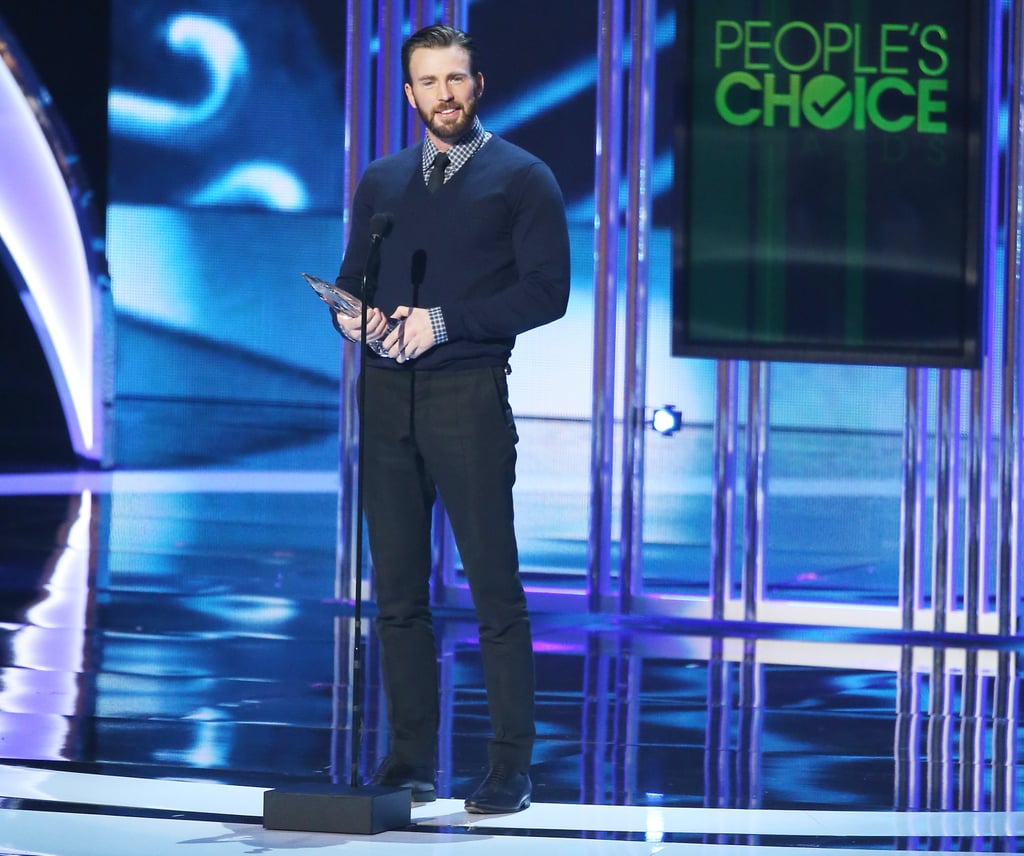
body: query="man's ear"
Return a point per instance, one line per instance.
(479, 84)
(408, 96)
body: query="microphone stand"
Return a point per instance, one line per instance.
(331, 808)
(369, 291)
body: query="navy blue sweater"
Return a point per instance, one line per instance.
(491, 248)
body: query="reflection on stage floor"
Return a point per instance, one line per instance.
(172, 647)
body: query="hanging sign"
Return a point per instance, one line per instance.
(829, 174)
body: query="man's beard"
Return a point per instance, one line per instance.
(450, 132)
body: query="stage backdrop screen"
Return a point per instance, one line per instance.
(829, 172)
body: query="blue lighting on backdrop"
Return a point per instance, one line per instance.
(209, 114)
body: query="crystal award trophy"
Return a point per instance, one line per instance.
(347, 304)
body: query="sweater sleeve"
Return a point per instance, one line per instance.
(540, 242)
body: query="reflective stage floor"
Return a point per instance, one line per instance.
(172, 648)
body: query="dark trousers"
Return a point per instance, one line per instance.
(449, 433)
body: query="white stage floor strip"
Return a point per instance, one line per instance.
(543, 828)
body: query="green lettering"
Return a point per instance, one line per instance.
(736, 78)
(752, 45)
(723, 29)
(774, 99)
(859, 64)
(940, 34)
(838, 40)
(815, 54)
(929, 106)
(827, 102)
(860, 88)
(888, 49)
(875, 93)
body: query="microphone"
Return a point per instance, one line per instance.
(380, 228)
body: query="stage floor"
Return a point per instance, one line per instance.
(172, 648)
(57, 812)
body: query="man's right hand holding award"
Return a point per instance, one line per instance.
(350, 326)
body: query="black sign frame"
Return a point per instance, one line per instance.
(737, 291)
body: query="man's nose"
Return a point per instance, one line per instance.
(444, 92)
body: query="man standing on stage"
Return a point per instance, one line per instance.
(478, 252)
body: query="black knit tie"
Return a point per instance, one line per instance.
(437, 172)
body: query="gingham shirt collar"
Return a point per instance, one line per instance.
(467, 146)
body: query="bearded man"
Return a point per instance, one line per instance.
(478, 253)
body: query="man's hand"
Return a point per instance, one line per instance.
(350, 328)
(413, 337)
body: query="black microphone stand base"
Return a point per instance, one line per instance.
(313, 807)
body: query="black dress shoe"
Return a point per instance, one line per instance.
(393, 773)
(504, 790)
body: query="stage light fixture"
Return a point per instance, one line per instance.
(667, 420)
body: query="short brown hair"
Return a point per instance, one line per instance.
(437, 36)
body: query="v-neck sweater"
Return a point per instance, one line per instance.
(490, 248)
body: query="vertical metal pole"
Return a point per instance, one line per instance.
(641, 163)
(1004, 733)
(606, 240)
(1007, 568)
(357, 156)
(753, 519)
(446, 733)
(971, 729)
(455, 13)
(944, 529)
(915, 430)
(390, 103)
(940, 735)
(717, 782)
(595, 714)
(421, 13)
(976, 528)
(749, 728)
(723, 489)
(628, 674)
(349, 529)
(908, 735)
(976, 541)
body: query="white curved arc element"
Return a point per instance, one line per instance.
(224, 58)
(40, 229)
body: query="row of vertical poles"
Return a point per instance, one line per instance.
(946, 524)
(640, 163)
(723, 488)
(951, 773)
(733, 744)
(946, 517)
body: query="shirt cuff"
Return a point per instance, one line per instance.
(437, 325)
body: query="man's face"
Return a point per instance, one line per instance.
(443, 92)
